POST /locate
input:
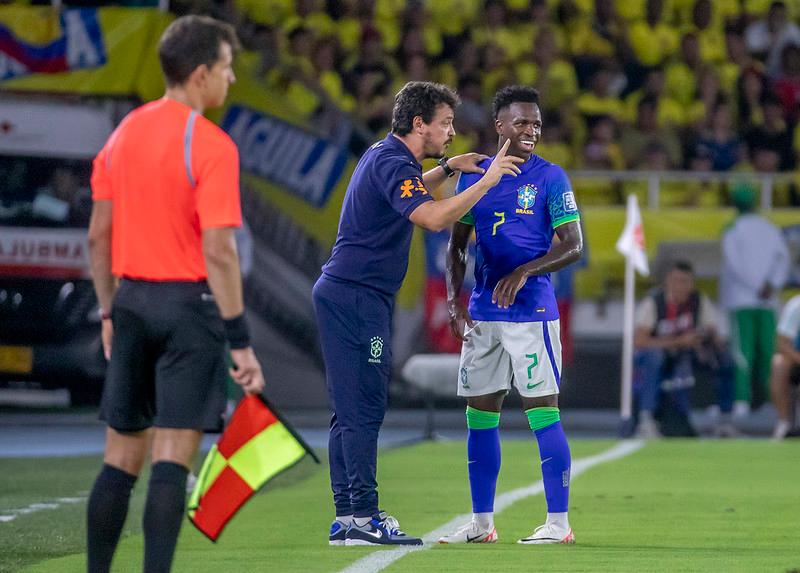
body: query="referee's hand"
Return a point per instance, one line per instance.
(246, 371)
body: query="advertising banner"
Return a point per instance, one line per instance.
(279, 152)
(105, 51)
(43, 253)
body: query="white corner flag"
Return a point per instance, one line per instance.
(631, 241)
(631, 244)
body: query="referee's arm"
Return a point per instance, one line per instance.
(100, 253)
(225, 281)
(222, 265)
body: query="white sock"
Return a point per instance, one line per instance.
(484, 520)
(346, 519)
(644, 416)
(361, 521)
(560, 520)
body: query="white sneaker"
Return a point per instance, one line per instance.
(470, 533)
(548, 533)
(781, 430)
(647, 429)
(725, 430)
(741, 409)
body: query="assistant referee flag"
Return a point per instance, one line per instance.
(255, 447)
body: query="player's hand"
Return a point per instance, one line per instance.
(247, 370)
(106, 335)
(459, 316)
(505, 293)
(502, 165)
(467, 163)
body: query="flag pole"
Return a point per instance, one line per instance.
(626, 392)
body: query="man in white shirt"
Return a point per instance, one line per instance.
(755, 267)
(786, 366)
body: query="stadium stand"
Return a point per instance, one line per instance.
(721, 78)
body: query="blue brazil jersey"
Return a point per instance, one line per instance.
(374, 231)
(514, 224)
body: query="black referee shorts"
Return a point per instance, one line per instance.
(168, 358)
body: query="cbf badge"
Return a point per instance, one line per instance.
(375, 349)
(526, 197)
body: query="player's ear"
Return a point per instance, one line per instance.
(498, 126)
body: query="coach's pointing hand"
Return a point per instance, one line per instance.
(247, 371)
(502, 165)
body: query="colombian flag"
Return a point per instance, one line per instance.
(255, 447)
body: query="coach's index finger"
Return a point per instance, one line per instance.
(503, 150)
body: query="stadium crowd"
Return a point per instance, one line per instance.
(637, 85)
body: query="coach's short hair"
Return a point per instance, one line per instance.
(419, 99)
(513, 94)
(192, 41)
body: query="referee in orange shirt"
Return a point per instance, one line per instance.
(166, 273)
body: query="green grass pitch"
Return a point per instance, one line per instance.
(671, 506)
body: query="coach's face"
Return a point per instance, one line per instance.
(219, 77)
(439, 133)
(521, 122)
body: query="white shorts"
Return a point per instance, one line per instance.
(496, 355)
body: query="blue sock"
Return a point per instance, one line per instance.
(555, 456)
(483, 453)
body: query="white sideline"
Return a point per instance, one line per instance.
(381, 559)
(7, 515)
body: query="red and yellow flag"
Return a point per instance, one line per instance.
(254, 448)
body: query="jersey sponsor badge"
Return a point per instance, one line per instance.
(569, 202)
(410, 186)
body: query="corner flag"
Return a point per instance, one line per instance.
(255, 447)
(631, 241)
(630, 244)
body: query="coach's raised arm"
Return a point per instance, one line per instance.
(439, 215)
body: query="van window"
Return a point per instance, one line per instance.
(44, 192)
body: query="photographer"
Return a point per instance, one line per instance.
(676, 334)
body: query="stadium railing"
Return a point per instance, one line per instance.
(763, 181)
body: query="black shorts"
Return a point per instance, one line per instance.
(794, 375)
(168, 358)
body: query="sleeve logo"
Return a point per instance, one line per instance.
(411, 185)
(569, 201)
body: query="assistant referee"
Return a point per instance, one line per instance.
(166, 273)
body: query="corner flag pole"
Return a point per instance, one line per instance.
(626, 391)
(631, 245)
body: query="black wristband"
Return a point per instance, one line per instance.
(236, 332)
(449, 171)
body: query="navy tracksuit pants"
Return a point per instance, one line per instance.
(355, 324)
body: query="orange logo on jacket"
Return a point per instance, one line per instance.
(409, 186)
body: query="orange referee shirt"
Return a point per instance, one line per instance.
(170, 173)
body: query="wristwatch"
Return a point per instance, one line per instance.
(449, 171)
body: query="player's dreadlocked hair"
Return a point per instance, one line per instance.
(419, 99)
(512, 94)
